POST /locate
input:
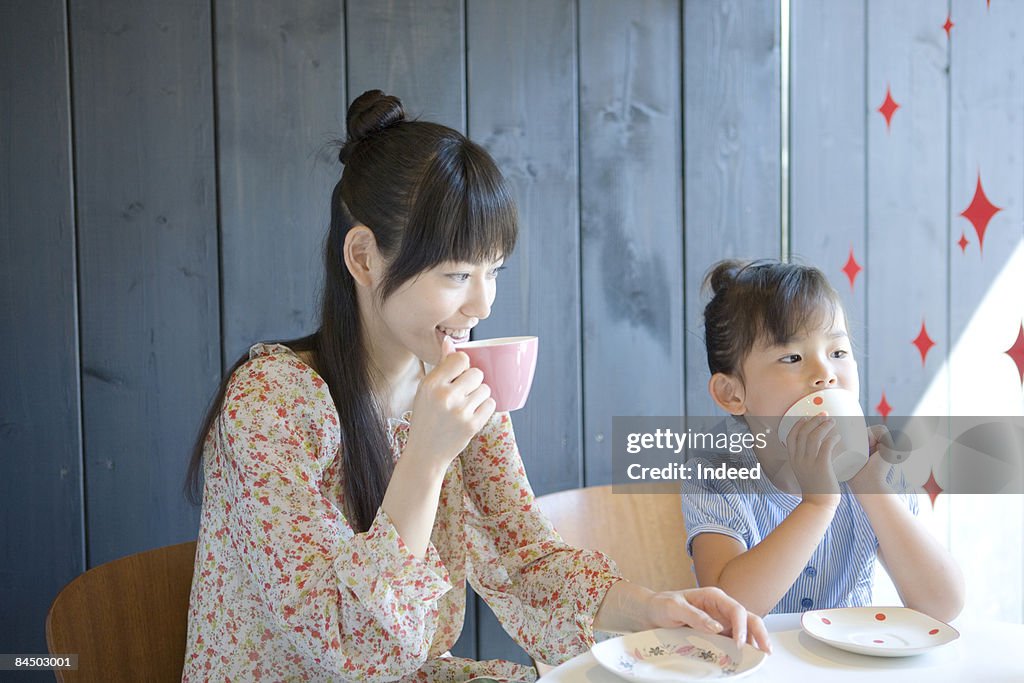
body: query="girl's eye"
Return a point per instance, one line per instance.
(494, 273)
(840, 353)
(459, 277)
(791, 358)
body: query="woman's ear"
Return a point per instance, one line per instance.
(362, 258)
(727, 391)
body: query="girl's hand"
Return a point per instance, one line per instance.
(810, 445)
(709, 610)
(871, 478)
(452, 404)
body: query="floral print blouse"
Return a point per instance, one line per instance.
(285, 590)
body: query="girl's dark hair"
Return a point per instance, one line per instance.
(760, 301)
(429, 195)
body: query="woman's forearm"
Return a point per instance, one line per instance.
(624, 609)
(411, 501)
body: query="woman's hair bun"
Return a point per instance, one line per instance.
(370, 113)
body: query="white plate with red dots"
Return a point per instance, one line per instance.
(878, 631)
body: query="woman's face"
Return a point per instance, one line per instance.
(446, 300)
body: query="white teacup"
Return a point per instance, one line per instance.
(851, 453)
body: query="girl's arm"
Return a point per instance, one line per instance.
(759, 577)
(926, 576)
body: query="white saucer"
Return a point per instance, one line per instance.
(878, 631)
(676, 654)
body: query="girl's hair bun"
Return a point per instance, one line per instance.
(370, 113)
(723, 275)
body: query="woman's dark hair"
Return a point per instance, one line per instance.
(760, 301)
(429, 195)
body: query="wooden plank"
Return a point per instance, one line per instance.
(41, 539)
(732, 161)
(529, 126)
(907, 206)
(985, 283)
(414, 49)
(827, 150)
(631, 217)
(280, 101)
(146, 199)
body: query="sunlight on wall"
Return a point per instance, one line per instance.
(984, 532)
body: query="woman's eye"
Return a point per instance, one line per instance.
(840, 353)
(791, 358)
(459, 277)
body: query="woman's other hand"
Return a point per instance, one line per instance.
(709, 610)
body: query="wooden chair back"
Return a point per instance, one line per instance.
(127, 619)
(642, 532)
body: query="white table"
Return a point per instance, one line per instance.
(989, 652)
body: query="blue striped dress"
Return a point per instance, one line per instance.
(838, 574)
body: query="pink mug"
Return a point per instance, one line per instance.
(508, 364)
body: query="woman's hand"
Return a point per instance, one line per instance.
(452, 404)
(810, 445)
(709, 610)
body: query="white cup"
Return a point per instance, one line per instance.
(851, 453)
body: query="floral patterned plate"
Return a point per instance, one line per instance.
(676, 654)
(878, 631)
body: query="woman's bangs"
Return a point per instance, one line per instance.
(463, 212)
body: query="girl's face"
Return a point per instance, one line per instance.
(447, 300)
(776, 376)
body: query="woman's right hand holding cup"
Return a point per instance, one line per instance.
(452, 405)
(810, 444)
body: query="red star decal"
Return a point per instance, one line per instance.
(1016, 352)
(888, 108)
(980, 211)
(932, 488)
(923, 342)
(852, 268)
(883, 408)
(948, 25)
(963, 242)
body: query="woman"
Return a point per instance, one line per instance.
(356, 478)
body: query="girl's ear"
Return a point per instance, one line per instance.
(362, 257)
(727, 391)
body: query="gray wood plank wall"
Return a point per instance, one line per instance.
(42, 532)
(732, 164)
(148, 297)
(631, 218)
(164, 190)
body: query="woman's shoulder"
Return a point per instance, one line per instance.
(275, 370)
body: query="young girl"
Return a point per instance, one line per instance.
(798, 540)
(357, 478)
